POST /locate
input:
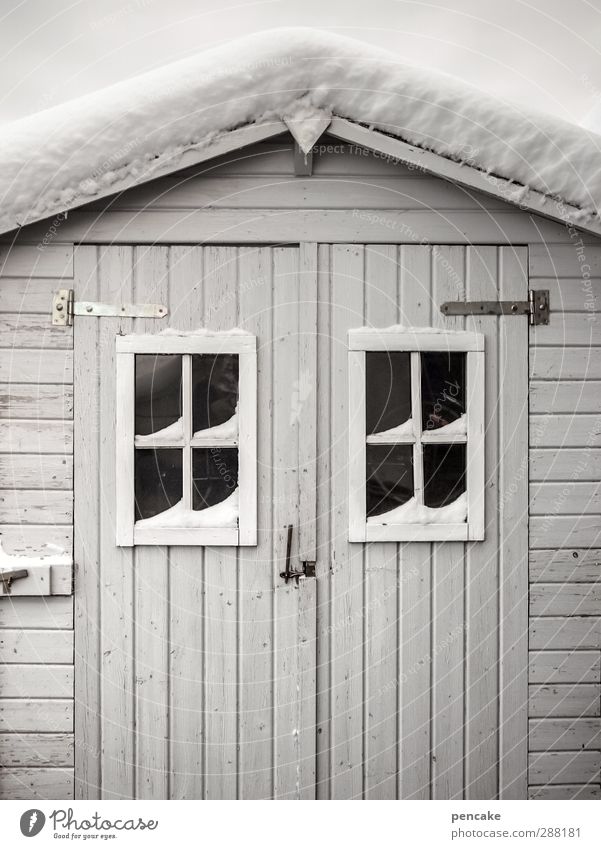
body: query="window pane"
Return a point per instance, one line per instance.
(444, 474)
(158, 476)
(158, 391)
(389, 477)
(388, 389)
(215, 389)
(443, 388)
(214, 475)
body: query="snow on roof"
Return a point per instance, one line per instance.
(67, 155)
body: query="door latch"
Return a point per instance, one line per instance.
(308, 566)
(6, 578)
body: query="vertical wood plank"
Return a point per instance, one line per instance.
(323, 570)
(448, 586)
(415, 579)
(381, 574)
(151, 284)
(186, 579)
(86, 408)
(482, 603)
(286, 401)
(307, 501)
(116, 573)
(256, 582)
(347, 601)
(513, 518)
(221, 567)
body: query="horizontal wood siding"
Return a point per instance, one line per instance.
(565, 525)
(36, 508)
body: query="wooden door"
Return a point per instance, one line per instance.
(422, 647)
(195, 667)
(400, 670)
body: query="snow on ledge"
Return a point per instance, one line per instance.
(458, 427)
(172, 433)
(222, 515)
(418, 514)
(68, 155)
(225, 430)
(401, 328)
(399, 432)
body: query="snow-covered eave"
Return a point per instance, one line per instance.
(395, 149)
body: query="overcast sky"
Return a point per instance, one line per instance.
(542, 53)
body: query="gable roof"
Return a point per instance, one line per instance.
(161, 121)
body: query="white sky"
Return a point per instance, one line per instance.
(541, 53)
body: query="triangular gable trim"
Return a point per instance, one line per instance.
(393, 149)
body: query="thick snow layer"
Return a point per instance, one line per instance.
(458, 427)
(399, 432)
(67, 155)
(226, 430)
(413, 513)
(222, 515)
(172, 433)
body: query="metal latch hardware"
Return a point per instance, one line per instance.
(6, 578)
(308, 566)
(64, 307)
(536, 307)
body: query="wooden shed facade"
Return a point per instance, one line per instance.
(443, 668)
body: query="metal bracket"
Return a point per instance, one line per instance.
(6, 578)
(308, 566)
(64, 307)
(536, 307)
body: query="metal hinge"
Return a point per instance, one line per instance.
(64, 307)
(536, 307)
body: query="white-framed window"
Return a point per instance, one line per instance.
(416, 435)
(186, 439)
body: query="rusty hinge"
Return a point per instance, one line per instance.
(536, 307)
(64, 307)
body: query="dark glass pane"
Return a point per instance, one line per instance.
(214, 475)
(389, 477)
(158, 391)
(214, 389)
(443, 388)
(388, 389)
(158, 475)
(444, 474)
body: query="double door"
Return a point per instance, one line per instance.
(398, 669)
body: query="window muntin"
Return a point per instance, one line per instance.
(186, 439)
(416, 435)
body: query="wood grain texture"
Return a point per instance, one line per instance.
(554, 667)
(564, 767)
(36, 646)
(43, 715)
(563, 700)
(40, 783)
(565, 791)
(31, 401)
(552, 565)
(36, 260)
(571, 734)
(35, 750)
(570, 632)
